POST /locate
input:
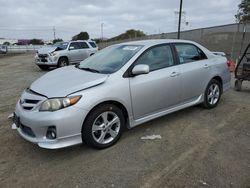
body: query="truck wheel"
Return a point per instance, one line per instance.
(237, 85)
(62, 62)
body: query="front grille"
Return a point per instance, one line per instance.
(42, 55)
(27, 130)
(28, 104)
(30, 99)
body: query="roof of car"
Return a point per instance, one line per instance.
(156, 41)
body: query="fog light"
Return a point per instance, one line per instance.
(51, 133)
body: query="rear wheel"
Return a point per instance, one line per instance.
(62, 62)
(43, 67)
(237, 85)
(103, 126)
(212, 94)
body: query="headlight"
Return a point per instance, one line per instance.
(53, 54)
(58, 103)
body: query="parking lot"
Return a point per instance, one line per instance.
(198, 147)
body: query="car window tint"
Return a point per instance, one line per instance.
(75, 45)
(92, 44)
(83, 45)
(189, 53)
(157, 57)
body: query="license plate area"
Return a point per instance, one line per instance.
(16, 120)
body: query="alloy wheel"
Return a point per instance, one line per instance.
(213, 94)
(106, 127)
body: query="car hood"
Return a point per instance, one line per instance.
(64, 81)
(46, 50)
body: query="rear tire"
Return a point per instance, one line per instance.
(62, 62)
(43, 67)
(212, 94)
(238, 85)
(103, 127)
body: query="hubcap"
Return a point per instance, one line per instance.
(63, 63)
(106, 127)
(213, 94)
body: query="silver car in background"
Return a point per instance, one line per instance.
(123, 85)
(65, 53)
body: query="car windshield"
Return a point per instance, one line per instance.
(110, 59)
(61, 45)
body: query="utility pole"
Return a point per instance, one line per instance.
(179, 25)
(54, 32)
(102, 30)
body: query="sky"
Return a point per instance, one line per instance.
(27, 19)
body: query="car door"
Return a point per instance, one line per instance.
(160, 88)
(194, 71)
(74, 52)
(84, 49)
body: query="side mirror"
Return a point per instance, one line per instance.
(140, 69)
(71, 48)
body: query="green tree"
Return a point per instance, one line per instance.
(36, 42)
(131, 33)
(243, 14)
(81, 36)
(57, 40)
(6, 43)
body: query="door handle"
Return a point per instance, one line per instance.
(173, 74)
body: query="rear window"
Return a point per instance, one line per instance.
(93, 44)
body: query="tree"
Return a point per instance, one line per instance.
(36, 42)
(6, 43)
(81, 36)
(131, 33)
(57, 40)
(243, 14)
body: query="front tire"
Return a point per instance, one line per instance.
(212, 94)
(62, 62)
(103, 126)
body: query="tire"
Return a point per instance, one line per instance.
(212, 94)
(237, 85)
(62, 62)
(98, 131)
(43, 67)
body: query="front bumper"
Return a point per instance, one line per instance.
(50, 60)
(68, 123)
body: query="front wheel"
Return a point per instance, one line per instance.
(212, 94)
(62, 62)
(103, 126)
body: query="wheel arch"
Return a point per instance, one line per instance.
(66, 57)
(116, 103)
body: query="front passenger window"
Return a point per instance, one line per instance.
(157, 57)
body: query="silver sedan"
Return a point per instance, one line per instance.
(121, 86)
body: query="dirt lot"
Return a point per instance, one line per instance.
(199, 148)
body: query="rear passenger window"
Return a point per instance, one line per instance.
(83, 45)
(92, 44)
(189, 53)
(157, 57)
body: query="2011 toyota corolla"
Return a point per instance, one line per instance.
(123, 85)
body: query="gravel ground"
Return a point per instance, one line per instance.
(198, 148)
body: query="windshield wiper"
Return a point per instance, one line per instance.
(88, 69)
